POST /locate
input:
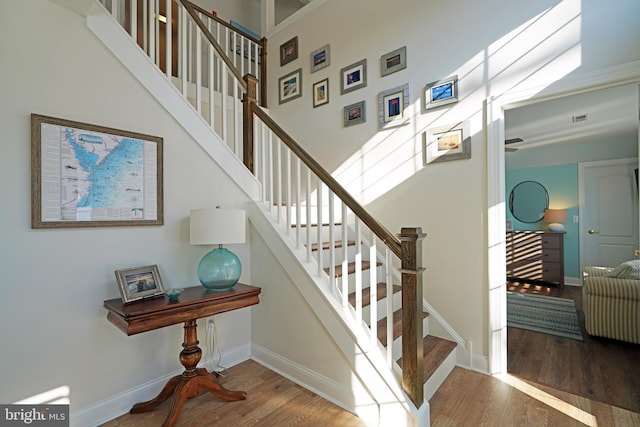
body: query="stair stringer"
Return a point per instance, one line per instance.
(367, 363)
(116, 39)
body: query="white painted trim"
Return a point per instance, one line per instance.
(496, 105)
(348, 335)
(302, 12)
(114, 37)
(324, 387)
(119, 404)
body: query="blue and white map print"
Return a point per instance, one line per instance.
(101, 176)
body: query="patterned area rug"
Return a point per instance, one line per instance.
(549, 315)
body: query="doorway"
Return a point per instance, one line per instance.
(497, 110)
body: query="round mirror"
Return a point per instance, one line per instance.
(528, 200)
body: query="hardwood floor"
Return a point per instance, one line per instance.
(551, 382)
(272, 400)
(600, 369)
(468, 398)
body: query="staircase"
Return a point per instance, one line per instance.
(369, 277)
(438, 353)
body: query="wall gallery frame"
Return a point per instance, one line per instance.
(353, 77)
(446, 143)
(354, 114)
(85, 175)
(289, 51)
(290, 86)
(391, 106)
(321, 93)
(442, 92)
(393, 61)
(320, 58)
(138, 283)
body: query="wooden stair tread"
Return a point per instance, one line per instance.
(381, 293)
(397, 326)
(324, 224)
(351, 268)
(436, 351)
(337, 244)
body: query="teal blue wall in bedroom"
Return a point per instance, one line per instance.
(555, 166)
(561, 182)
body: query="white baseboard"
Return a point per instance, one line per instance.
(119, 404)
(347, 398)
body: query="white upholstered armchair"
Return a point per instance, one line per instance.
(611, 301)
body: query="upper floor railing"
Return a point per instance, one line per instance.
(204, 57)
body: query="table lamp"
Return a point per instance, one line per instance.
(219, 269)
(555, 218)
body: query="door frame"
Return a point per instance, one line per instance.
(496, 210)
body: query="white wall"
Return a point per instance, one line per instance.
(494, 47)
(54, 281)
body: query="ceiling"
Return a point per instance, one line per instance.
(605, 114)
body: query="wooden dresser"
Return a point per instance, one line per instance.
(535, 256)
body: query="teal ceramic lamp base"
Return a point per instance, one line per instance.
(219, 270)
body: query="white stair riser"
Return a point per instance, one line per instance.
(397, 343)
(382, 307)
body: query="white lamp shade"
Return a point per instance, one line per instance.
(217, 226)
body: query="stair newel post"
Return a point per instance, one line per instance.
(263, 72)
(248, 100)
(412, 331)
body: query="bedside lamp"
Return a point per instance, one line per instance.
(555, 218)
(219, 269)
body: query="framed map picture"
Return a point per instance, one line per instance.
(85, 175)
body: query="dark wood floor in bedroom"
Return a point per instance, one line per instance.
(600, 369)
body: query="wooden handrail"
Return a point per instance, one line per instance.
(192, 11)
(262, 43)
(407, 245)
(385, 235)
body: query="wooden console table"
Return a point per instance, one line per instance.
(194, 303)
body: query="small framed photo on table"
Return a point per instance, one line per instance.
(138, 283)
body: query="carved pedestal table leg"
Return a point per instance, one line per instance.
(190, 383)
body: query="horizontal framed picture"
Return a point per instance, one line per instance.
(391, 106)
(442, 92)
(354, 114)
(290, 86)
(85, 175)
(321, 93)
(393, 61)
(138, 283)
(446, 143)
(289, 51)
(320, 58)
(353, 77)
